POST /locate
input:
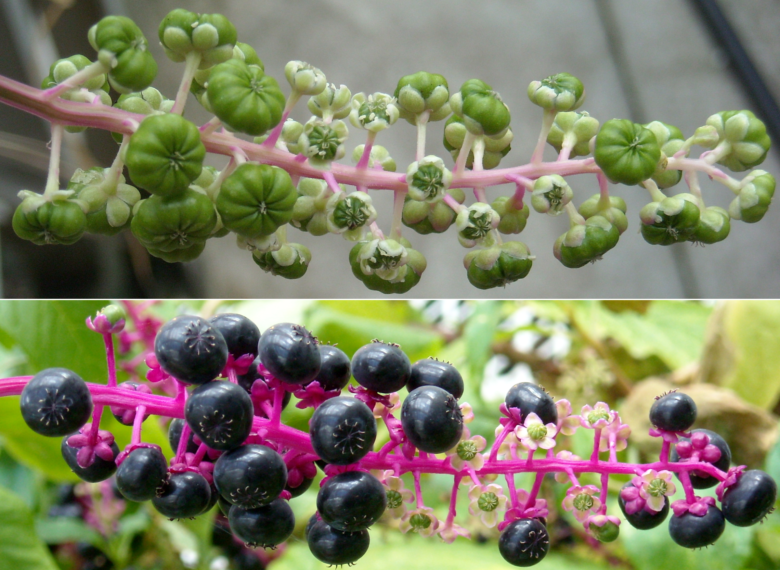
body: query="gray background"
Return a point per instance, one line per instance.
(638, 59)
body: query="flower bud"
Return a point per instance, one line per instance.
(561, 92)
(305, 78)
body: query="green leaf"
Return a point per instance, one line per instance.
(57, 530)
(479, 332)
(20, 547)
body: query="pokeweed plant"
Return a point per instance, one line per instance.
(288, 175)
(226, 383)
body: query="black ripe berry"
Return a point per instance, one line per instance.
(351, 501)
(174, 435)
(334, 547)
(691, 531)
(290, 353)
(300, 489)
(432, 419)
(673, 412)
(220, 413)
(142, 474)
(335, 370)
(381, 367)
(185, 496)
(750, 499)
(524, 542)
(342, 430)
(250, 476)
(531, 398)
(240, 334)
(695, 447)
(430, 372)
(265, 526)
(644, 519)
(56, 402)
(99, 470)
(190, 349)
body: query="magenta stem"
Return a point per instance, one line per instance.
(96, 415)
(604, 489)
(418, 490)
(276, 413)
(685, 479)
(363, 162)
(108, 339)
(499, 440)
(232, 375)
(140, 413)
(534, 491)
(594, 458)
(510, 483)
(199, 455)
(665, 451)
(453, 499)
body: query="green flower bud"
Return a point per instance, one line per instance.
(147, 102)
(672, 220)
(628, 153)
(498, 266)
(431, 217)
(573, 130)
(714, 225)
(428, 179)
(310, 212)
(379, 155)
(43, 221)
(373, 113)
(614, 212)
(482, 109)
(561, 92)
(110, 201)
(607, 533)
(746, 136)
(551, 194)
(420, 92)
(212, 35)
(259, 245)
(290, 261)
(706, 136)
(513, 219)
(415, 265)
(664, 132)
(350, 213)
(305, 78)
(495, 147)
(476, 223)
(586, 243)
(384, 258)
(754, 197)
(113, 313)
(124, 52)
(63, 69)
(323, 143)
(332, 101)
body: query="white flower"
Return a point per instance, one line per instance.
(467, 451)
(420, 520)
(487, 502)
(597, 417)
(655, 486)
(397, 495)
(534, 434)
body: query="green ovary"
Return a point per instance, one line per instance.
(583, 502)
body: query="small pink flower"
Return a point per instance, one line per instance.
(155, 372)
(397, 495)
(601, 520)
(449, 532)
(468, 412)
(101, 324)
(732, 476)
(616, 431)
(655, 486)
(467, 451)
(582, 501)
(597, 417)
(388, 406)
(539, 509)
(89, 447)
(420, 520)
(312, 395)
(698, 508)
(568, 456)
(567, 423)
(487, 502)
(633, 499)
(533, 434)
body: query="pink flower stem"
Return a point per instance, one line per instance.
(191, 63)
(499, 440)
(594, 458)
(418, 490)
(565, 153)
(529, 463)
(108, 339)
(232, 376)
(665, 451)
(475, 478)
(274, 136)
(96, 415)
(363, 162)
(534, 491)
(210, 126)
(276, 413)
(53, 179)
(332, 183)
(547, 122)
(453, 499)
(199, 455)
(685, 479)
(398, 211)
(604, 489)
(181, 400)
(572, 477)
(140, 413)
(510, 483)
(452, 203)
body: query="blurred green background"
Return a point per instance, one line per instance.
(725, 355)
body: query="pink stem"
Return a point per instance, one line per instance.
(108, 339)
(418, 490)
(274, 136)
(594, 458)
(276, 413)
(510, 483)
(665, 451)
(534, 491)
(685, 479)
(199, 455)
(453, 499)
(140, 413)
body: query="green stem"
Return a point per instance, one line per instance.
(398, 210)
(191, 63)
(115, 171)
(53, 179)
(547, 122)
(479, 154)
(92, 70)
(692, 180)
(422, 122)
(363, 162)
(463, 154)
(575, 219)
(655, 194)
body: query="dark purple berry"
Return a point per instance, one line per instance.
(247, 560)
(644, 519)
(56, 402)
(691, 531)
(351, 501)
(220, 413)
(190, 349)
(126, 416)
(335, 547)
(674, 411)
(693, 447)
(224, 504)
(430, 372)
(290, 353)
(174, 435)
(300, 489)
(342, 430)
(432, 419)
(381, 367)
(250, 476)
(335, 369)
(524, 542)
(265, 526)
(750, 499)
(213, 499)
(240, 334)
(99, 470)
(185, 496)
(142, 474)
(531, 398)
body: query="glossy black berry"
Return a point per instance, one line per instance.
(701, 480)
(174, 435)
(265, 526)
(643, 520)
(335, 368)
(674, 411)
(381, 367)
(126, 416)
(224, 504)
(750, 499)
(351, 501)
(250, 476)
(342, 430)
(691, 531)
(524, 542)
(213, 499)
(335, 547)
(300, 489)
(531, 398)
(185, 496)
(240, 334)
(432, 419)
(220, 413)
(99, 470)
(190, 349)
(142, 474)
(290, 353)
(247, 560)
(430, 372)
(56, 402)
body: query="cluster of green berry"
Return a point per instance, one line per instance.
(288, 175)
